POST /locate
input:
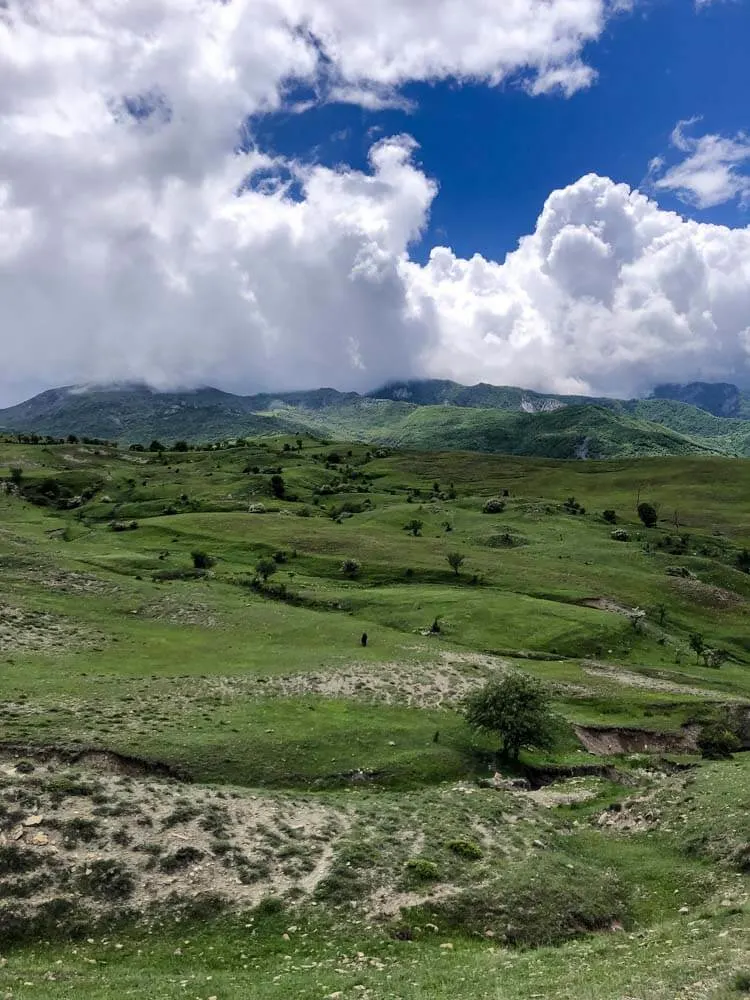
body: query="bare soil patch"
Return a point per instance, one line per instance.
(630, 678)
(613, 740)
(27, 631)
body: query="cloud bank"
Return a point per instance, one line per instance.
(139, 239)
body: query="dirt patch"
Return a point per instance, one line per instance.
(605, 741)
(606, 604)
(70, 582)
(108, 837)
(26, 631)
(180, 613)
(631, 679)
(707, 594)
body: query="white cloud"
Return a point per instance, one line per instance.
(711, 173)
(125, 251)
(609, 295)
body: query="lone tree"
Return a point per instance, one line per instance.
(277, 487)
(697, 644)
(414, 526)
(517, 710)
(265, 568)
(456, 561)
(647, 513)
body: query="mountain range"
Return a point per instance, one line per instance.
(434, 414)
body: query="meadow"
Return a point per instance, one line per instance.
(233, 796)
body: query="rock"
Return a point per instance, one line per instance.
(40, 839)
(33, 820)
(684, 909)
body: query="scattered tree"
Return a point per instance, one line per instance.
(414, 526)
(697, 644)
(648, 514)
(277, 486)
(351, 568)
(202, 560)
(456, 561)
(16, 475)
(181, 446)
(517, 710)
(265, 568)
(610, 516)
(156, 446)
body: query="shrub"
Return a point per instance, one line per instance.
(123, 526)
(351, 568)
(181, 446)
(156, 446)
(682, 571)
(716, 741)
(183, 857)
(265, 568)
(414, 526)
(648, 514)
(742, 561)
(15, 860)
(620, 535)
(422, 870)
(610, 516)
(202, 560)
(494, 506)
(741, 982)
(571, 506)
(107, 879)
(517, 710)
(16, 475)
(465, 849)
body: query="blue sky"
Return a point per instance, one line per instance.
(497, 152)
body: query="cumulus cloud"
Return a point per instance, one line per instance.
(609, 295)
(712, 171)
(143, 236)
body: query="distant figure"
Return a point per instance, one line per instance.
(364, 638)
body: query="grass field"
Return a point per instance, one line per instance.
(147, 708)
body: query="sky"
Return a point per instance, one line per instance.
(286, 194)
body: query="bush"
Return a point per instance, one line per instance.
(181, 446)
(455, 561)
(465, 849)
(277, 486)
(422, 870)
(742, 561)
(517, 710)
(610, 516)
(351, 568)
(648, 514)
(265, 568)
(107, 879)
(183, 857)
(620, 535)
(123, 526)
(202, 560)
(414, 526)
(741, 982)
(494, 506)
(717, 742)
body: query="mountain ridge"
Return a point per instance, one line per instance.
(431, 414)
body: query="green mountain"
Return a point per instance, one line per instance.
(428, 415)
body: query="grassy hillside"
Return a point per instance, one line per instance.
(213, 787)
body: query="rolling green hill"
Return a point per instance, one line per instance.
(430, 415)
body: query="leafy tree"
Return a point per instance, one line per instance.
(351, 568)
(181, 446)
(610, 516)
(299, 444)
(697, 644)
(265, 568)
(71, 439)
(517, 710)
(277, 486)
(414, 526)
(202, 560)
(648, 514)
(16, 475)
(456, 561)
(156, 446)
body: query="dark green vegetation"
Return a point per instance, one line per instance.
(191, 724)
(438, 415)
